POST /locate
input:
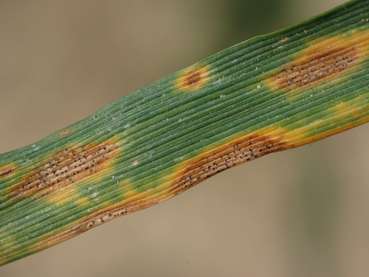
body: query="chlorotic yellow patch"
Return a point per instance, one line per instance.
(192, 79)
(65, 195)
(323, 60)
(5, 244)
(352, 107)
(127, 189)
(3, 259)
(340, 111)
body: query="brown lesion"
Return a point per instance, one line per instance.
(109, 214)
(322, 61)
(65, 168)
(319, 67)
(193, 78)
(98, 218)
(192, 172)
(7, 171)
(226, 156)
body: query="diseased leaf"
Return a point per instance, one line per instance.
(267, 94)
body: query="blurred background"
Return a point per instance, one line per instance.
(297, 213)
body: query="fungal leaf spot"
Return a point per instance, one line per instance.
(192, 79)
(235, 152)
(141, 201)
(322, 61)
(67, 167)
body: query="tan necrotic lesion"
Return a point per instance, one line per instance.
(325, 60)
(318, 67)
(230, 154)
(190, 173)
(187, 174)
(66, 167)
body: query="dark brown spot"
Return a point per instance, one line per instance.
(192, 79)
(66, 167)
(227, 156)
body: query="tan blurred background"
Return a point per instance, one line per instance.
(296, 213)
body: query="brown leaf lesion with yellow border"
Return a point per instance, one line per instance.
(192, 79)
(231, 153)
(322, 61)
(133, 201)
(66, 167)
(235, 152)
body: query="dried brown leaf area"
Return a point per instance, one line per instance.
(65, 168)
(209, 163)
(324, 60)
(235, 152)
